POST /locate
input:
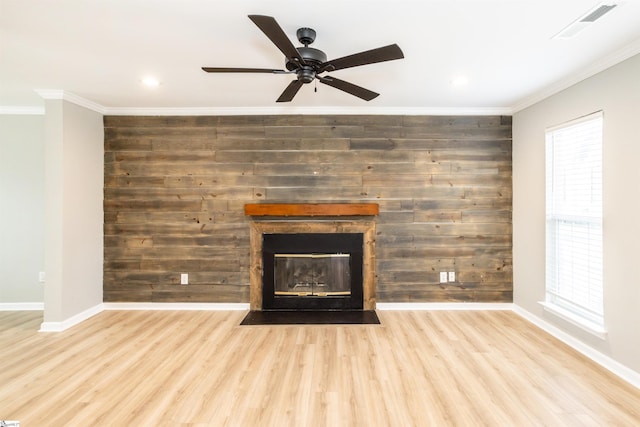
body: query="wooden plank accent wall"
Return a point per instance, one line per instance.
(175, 190)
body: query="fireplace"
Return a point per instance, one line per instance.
(312, 257)
(312, 271)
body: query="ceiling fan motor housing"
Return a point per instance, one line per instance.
(310, 55)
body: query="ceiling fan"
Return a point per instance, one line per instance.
(308, 63)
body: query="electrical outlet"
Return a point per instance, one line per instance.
(452, 276)
(184, 278)
(443, 277)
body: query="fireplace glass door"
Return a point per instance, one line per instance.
(318, 275)
(312, 271)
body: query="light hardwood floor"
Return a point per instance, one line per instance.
(200, 368)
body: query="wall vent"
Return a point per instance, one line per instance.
(585, 20)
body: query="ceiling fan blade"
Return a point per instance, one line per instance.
(381, 54)
(271, 29)
(290, 91)
(243, 70)
(355, 90)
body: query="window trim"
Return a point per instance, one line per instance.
(591, 326)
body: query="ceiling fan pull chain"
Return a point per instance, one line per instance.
(315, 89)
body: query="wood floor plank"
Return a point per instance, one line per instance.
(200, 368)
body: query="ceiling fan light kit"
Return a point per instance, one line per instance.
(308, 63)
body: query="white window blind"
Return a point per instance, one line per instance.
(574, 218)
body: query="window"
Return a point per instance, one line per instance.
(574, 285)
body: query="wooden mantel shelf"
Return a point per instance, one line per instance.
(311, 209)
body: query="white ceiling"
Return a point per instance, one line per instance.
(100, 50)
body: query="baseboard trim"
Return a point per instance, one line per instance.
(211, 306)
(72, 321)
(617, 368)
(21, 306)
(417, 306)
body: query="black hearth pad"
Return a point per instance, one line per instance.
(311, 318)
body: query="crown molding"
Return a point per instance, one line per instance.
(53, 94)
(50, 93)
(602, 64)
(276, 110)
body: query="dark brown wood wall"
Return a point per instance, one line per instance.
(175, 188)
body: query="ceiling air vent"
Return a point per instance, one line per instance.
(585, 20)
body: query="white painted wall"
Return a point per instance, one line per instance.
(616, 91)
(74, 186)
(22, 215)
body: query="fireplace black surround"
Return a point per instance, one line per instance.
(312, 271)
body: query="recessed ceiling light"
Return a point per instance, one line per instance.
(459, 81)
(150, 82)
